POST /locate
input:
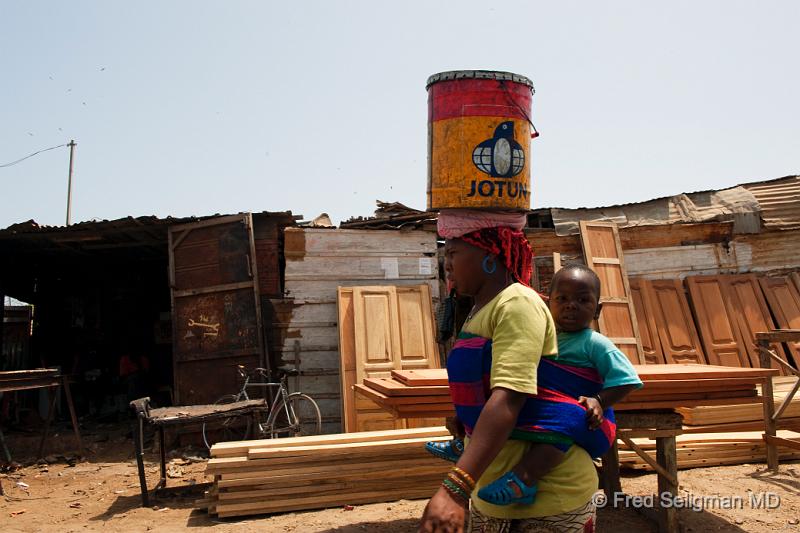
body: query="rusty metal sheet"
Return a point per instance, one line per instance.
(216, 312)
(215, 324)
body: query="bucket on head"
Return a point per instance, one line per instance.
(479, 137)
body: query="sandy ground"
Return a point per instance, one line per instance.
(101, 492)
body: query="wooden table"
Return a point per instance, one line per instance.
(175, 416)
(662, 426)
(767, 359)
(49, 378)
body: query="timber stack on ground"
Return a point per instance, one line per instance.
(697, 450)
(280, 475)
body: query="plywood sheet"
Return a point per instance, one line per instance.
(603, 254)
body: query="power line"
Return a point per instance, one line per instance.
(31, 155)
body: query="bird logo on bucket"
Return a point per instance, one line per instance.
(501, 156)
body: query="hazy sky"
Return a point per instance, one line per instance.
(195, 108)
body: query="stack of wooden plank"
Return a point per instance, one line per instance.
(675, 385)
(280, 475)
(425, 393)
(711, 449)
(737, 415)
(411, 393)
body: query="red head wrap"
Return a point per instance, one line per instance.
(510, 246)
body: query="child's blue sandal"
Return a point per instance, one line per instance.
(449, 451)
(501, 492)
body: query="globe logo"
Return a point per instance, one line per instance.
(501, 156)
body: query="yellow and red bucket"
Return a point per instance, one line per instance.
(479, 138)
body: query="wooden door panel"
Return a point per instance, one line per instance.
(611, 282)
(752, 314)
(783, 299)
(603, 254)
(418, 347)
(377, 340)
(381, 328)
(601, 238)
(648, 329)
(718, 330)
(679, 339)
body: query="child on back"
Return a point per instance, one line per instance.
(575, 391)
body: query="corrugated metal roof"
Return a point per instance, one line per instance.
(779, 200)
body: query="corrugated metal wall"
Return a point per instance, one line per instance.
(778, 200)
(302, 328)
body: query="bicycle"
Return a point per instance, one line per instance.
(290, 414)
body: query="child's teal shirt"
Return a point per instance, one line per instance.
(589, 349)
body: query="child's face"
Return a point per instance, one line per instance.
(574, 301)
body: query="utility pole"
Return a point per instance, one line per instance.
(72, 144)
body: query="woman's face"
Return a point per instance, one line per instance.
(462, 262)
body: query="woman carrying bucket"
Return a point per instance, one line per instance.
(479, 144)
(502, 341)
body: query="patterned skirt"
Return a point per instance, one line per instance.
(580, 520)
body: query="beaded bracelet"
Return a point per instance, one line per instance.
(465, 476)
(460, 482)
(455, 491)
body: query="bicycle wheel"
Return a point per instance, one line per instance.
(235, 427)
(298, 417)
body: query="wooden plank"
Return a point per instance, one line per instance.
(331, 501)
(327, 487)
(716, 320)
(422, 378)
(396, 401)
(320, 453)
(601, 244)
(692, 371)
(642, 395)
(779, 335)
(783, 298)
(25, 374)
(392, 387)
(680, 341)
(556, 262)
(671, 404)
(700, 384)
(344, 471)
(786, 443)
(267, 481)
(347, 354)
(648, 330)
(224, 449)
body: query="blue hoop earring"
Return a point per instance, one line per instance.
(486, 268)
